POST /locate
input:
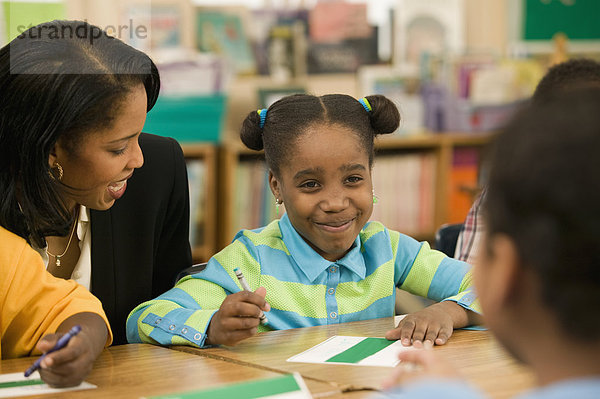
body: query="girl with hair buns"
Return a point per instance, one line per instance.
(322, 262)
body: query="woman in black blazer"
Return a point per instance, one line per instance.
(142, 242)
(100, 201)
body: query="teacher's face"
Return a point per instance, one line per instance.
(96, 174)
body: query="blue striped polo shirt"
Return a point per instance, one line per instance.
(303, 288)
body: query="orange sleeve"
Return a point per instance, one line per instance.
(35, 303)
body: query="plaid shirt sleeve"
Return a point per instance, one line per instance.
(471, 234)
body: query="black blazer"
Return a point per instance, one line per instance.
(142, 242)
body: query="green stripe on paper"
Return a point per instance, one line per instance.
(360, 351)
(23, 383)
(249, 390)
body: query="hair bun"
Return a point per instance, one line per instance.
(251, 132)
(384, 115)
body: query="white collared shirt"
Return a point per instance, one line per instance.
(82, 273)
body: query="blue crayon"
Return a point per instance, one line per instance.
(61, 343)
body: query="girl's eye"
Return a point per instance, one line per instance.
(354, 179)
(309, 184)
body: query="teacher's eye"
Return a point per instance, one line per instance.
(120, 151)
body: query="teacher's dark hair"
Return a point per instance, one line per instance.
(59, 80)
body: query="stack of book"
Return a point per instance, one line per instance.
(405, 187)
(254, 202)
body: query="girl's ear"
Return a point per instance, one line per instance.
(274, 184)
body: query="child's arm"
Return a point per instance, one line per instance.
(204, 309)
(429, 273)
(197, 312)
(69, 365)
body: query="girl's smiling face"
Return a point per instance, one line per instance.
(326, 188)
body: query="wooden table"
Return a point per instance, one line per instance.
(476, 354)
(138, 370)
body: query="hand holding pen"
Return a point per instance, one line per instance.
(246, 287)
(239, 316)
(61, 343)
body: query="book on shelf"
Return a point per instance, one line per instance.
(281, 33)
(463, 183)
(405, 187)
(402, 86)
(161, 23)
(254, 204)
(196, 171)
(341, 38)
(221, 31)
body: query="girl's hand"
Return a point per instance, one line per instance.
(432, 325)
(68, 366)
(237, 318)
(418, 364)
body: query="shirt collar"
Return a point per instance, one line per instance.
(310, 262)
(82, 222)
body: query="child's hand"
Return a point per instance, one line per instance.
(433, 324)
(419, 364)
(67, 366)
(237, 318)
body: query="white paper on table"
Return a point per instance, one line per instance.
(386, 357)
(398, 318)
(33, 389)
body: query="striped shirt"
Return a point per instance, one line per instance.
(471, 235)
(303, 288)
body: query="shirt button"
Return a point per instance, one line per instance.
(197, 336)
(172, 327)
(184, 330)
(333, 315)
(157, 321)
(76, 275)
(333, 269)
(331, 291)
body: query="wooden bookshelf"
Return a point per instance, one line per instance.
(442, 146)
(207, 153)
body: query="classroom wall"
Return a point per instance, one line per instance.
(486, 25)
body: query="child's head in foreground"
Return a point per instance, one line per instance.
(319, 151)
(542, 252)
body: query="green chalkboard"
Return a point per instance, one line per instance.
(578, 19)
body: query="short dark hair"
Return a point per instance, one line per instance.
(57, 87)
(288, 118)
(544, 194)
(572, 74)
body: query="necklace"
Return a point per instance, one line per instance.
(68, 243)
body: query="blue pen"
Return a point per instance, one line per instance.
(61, 343)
